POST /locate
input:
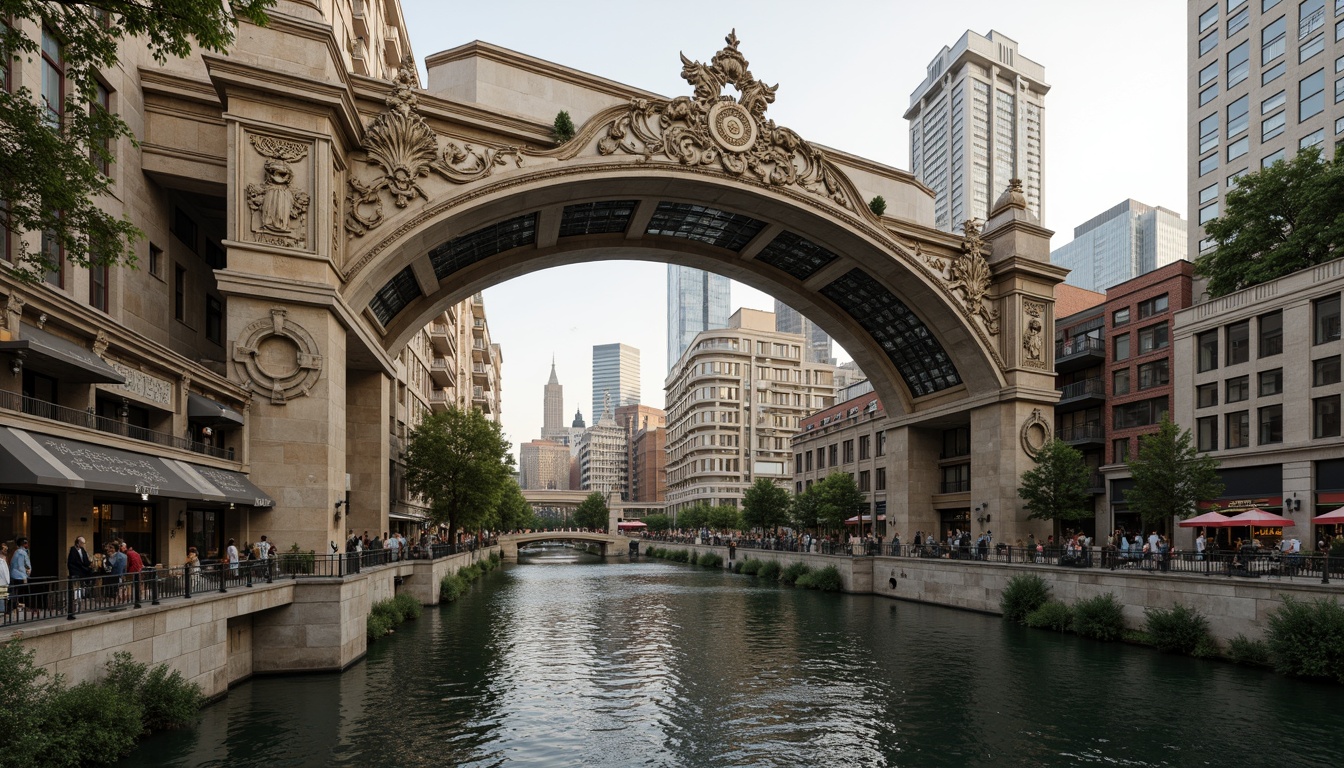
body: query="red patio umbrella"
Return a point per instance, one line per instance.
(1260, 517)
(1209, 520)
(1330, 517)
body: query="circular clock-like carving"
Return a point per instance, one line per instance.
(278, 356)
(1035, 433)
(732, 126)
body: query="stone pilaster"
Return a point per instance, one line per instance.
(367, 450)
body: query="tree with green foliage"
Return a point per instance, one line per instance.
(1170, 476)
(58, 200)
(563, 128)
(1057, 487)
(592, 512)
(458, 461)
(724, 517)
(765, 505)
(1277, 221)
(804, 510)
(657, 522)
(839, 498)
(878, 205)
(512, 512)
(693, 517)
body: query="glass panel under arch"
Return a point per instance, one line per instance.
(483, 243)
(603, 218)
(707, 225)
(796, 255)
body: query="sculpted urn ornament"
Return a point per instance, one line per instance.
(712, 130)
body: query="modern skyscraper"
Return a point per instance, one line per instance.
(696, 300)
(1272, 61)
(976, 122)
(552, 413)
(790, 320)
(1126, 241)
(615, 373)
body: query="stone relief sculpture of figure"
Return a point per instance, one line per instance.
(1031, 342)
(280, 210)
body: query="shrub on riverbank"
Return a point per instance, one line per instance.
(1244, 650)
(825, 579)
(710, 560)
(1100, 618)
(96, 721)
(1306, 638)
(1022, 595)
(1179, 629)
(750, 567)
(791, 574)
(769, 571)
(1052, 614)
(451, 587)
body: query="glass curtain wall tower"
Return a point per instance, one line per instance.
(615, 375)
(696, 301)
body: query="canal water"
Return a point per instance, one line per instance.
(562, 662)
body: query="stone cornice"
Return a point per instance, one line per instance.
(549, 69)
(163, 83)
(336, 99)
(1019, 265)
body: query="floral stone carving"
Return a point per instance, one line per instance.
(1033, 341)
(278, 356)
(405, 150)
(711, 130)
(279, 209)
(970, 274)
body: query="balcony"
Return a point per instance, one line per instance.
(480, 373)
(442, 339)
(1085, 392)
(439, 400)
(955, 486)
(1082, 434)
(1096, 483)
(41, 409)
(478, 306)
(1079, 353)
(440, 372)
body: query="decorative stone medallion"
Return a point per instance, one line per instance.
(278, 356)
(731, 126)
(1035, 433)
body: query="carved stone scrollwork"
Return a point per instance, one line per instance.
(278, 357)
(1035, 433)
(970, 274)
(405, 149)
(709, 129)
(1033, 334)
(279, 208)
(13, 311)
(100, 342)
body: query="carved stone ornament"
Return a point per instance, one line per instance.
(1035, 433)
(970, 274)
(1033, 335)
(277, 356)
(405, 149)
(100, 342)
(14, 304)
(279, 210)
(711, 130)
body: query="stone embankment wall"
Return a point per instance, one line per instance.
(1233, 605)
(217, 639)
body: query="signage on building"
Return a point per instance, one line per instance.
(143, 386)
(1241, 505)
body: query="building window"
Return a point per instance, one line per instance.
(1311, 48)
(1208, 213)
(1238, 116)
(832, 453)
(1153, 306)
(1154, 374)
(1208, 351)
(1208, 74)
(1311, 95)
(1239, 342)
(1325, 371)
(1206, 395)
(1208, 133)
(865, 446)
(1121, 316)
(1271, 159)
(848, 451)
(1208, 164)
(798, 463)
(1271, 424)
(102, 103)
(54, 252)
(1272, 126)
(1271, 334)
(214, 319)
(1238, 64)
(1326, 320)
(1139, 414)
(1208, 42)
(1206, 195)
(1312, 139)
(1208, 18)
(807, 461)
(956, 478)
(1122, 347)
(1273, 102)
(865, 481)
(880, 482)
(1120, 450)
(1207, 433)
(98, 286)
(1310, 17)
(180, 293)
(956, 442)
(1325, 416)
(1271, 382)
(1152, 338)
(1120, 382)
(881, 443)
(1239, 429)
(185, 229)
(156, 261)
(1239, 21)
(1238, 389)
(1273, 73)
(53, 79)
(1208, 94)
(1238, 148)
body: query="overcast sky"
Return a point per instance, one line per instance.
(1114, 127)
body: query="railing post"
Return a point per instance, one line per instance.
(135, 588)
(223, 575)
(1325, 568)
(70, 600)
(154, 587)
(186, 581)
(270, 570)
(249, 574)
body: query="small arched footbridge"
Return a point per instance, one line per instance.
(612, 546)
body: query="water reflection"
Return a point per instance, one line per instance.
(558, 662)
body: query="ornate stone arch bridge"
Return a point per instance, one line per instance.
(613, 546)
(360, 208)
